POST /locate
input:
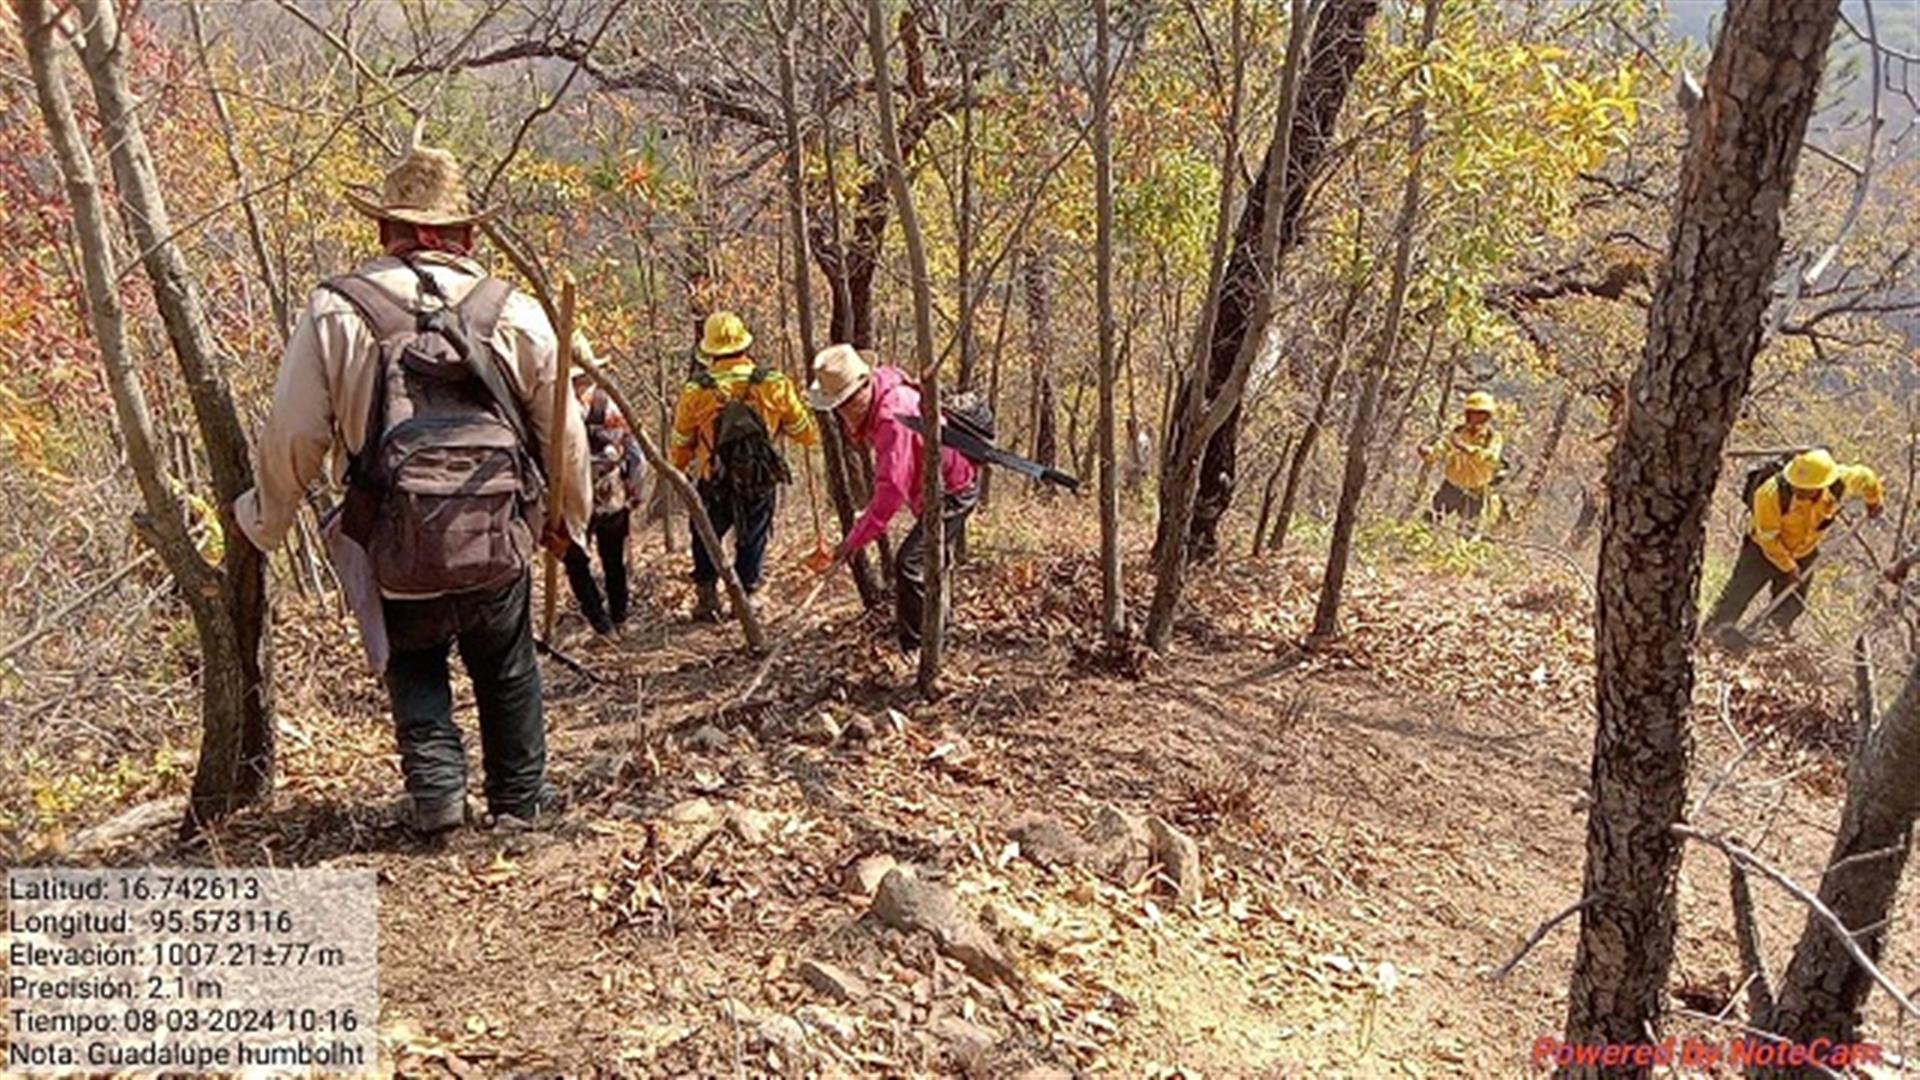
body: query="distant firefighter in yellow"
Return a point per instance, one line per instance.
(1471, 452)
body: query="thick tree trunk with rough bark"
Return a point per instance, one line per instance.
(237, 735)
(1823, 990)
(1703, 330)
(1338, 49)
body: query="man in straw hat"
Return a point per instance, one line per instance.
(430, 385)
(871, 404)
(1792, 505)
(723, 429)
(1471, 452)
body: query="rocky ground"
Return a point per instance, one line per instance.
(1237, 860)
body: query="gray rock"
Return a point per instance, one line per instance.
(751, 827)
(820, 729)
(1177, 856)
(861, 729)
(690, 812)
(1121, 846)
(967, 1041)
(705, 739)
(783, 1033)
(838, 1025)
(835, 983)
(906, 903)
(863, 877)
(1045, 841)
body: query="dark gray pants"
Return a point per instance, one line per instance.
(1753, 571)
(909, 565)
(494, 632)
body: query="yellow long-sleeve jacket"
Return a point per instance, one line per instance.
(1473, 457)
(1791, 534)
(774, 398)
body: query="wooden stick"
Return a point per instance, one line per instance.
(557, 445)
(773, 654)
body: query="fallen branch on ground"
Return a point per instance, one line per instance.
(48, 624)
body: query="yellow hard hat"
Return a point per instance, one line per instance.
(1812, 470)
(1479, 401)
(725, 335)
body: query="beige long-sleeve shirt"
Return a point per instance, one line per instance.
(327, 380)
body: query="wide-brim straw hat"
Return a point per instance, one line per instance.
(425, 188)
(839, 372)
(725, 334)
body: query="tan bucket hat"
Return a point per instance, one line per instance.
(838, 373)
(425, 188)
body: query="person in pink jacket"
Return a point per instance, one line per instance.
(870, 403)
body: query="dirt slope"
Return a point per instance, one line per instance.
(1380, 825)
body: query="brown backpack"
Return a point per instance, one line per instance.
(445, 487)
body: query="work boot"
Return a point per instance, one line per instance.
(706, 606)
(431, 817)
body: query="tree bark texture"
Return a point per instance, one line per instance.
(237, 734)
(1823, 990)
(1338, 49)
(1360, 434)
(1703, 329)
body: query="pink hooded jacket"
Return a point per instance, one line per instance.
(897, 456)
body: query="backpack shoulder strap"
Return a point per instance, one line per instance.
(760, 374)
(387, 317)
(383, 312)
(482, 305)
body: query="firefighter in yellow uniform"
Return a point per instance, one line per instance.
(1791, 512)
(724, 429)
(1471, 452)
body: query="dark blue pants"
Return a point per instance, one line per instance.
(494, 632)
(608, 532)
(752, 526)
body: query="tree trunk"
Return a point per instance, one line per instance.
(1703, 329)
(1550, 446)
(1266, 499)
(1113, 612)
(1037, 277)
(236, 748)
(1339, 47)
(1425, 473)
(850, 321)
(933, 566)
(1326, 616)
(1824, 989)
(1322, 407)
